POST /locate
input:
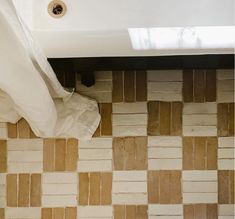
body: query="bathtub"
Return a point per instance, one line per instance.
(111, 28)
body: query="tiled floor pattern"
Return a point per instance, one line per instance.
(164, 150)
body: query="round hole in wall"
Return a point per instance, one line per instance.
(57, 8)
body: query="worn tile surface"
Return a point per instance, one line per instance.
(164, 149)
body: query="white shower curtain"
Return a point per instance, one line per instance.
(30, 89)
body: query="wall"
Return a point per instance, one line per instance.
(164, 149)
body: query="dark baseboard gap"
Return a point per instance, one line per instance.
(66, 68)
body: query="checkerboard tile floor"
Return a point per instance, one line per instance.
(164, 149)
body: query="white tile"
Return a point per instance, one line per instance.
(99, 86)
(165, 164)
(2, 178)
(59, 189)
(200, 198)
(95, 212)
(25, 144)
(167, 210)
(94, 165)
(59, 200)
(25, 156)
(31, 167)
(103, 75)
(226, 142)
(134, 108)
(130, 176)
(166, 217)
(165, 75)
(120, 131)
(95, 154)
(167, 96)
(158, 152)
(200, 187)
(197, 120)
(96, 143)
(200, 108)
(199, 130)
(226, 164)
(165, 86)
(223, 74)
(199, 175)
(23, 213)
(129, 187)
(226, 153)
(165, 141)
(129, 119)
(225, 97)
(59, 178)
(225, 85)
(2, 202)
(130, 198)
(226, 210)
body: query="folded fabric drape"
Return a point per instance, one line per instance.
(29, 87)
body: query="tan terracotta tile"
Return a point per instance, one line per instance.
(106, 188)
(49, 155)
(200, 211)
(83, 188)
(165, 118)
(210, 89)
(71, 154)
(119, 212)
(226, 186)
(12, 130)
(118, 153)
(176, 120)
(46, 213)
(153, 118)
(129, 155)
(165, 189)
(60, 151)
(175, 187)
(23, 129)
(2, 213)
(117, 94)
(129, 86)
(94, 198)
(188, 212)
(70, 213)
(188, 85)
(131, 211)
(23, 190)
(212, 211)
(141, 212)
(106, 121)
(141, 86)
(211, 154)
(3, 156)
(153, 186)
(58, 213)
(12, 190)
(223, 119)
(35, 190)
(199, 86)
(231, 119)
(200, 153)
(141, 153)
(188, 153)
